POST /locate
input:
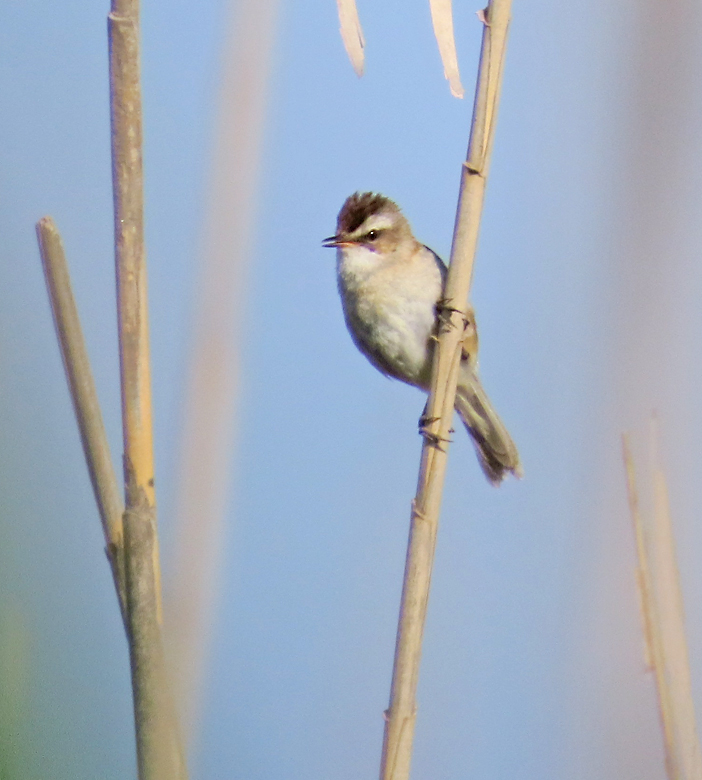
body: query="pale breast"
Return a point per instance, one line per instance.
(390, 311)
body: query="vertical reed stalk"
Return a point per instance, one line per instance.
(671, 616)
(158, 755)
(85, 401)
(130, 255)
(664, 624)
(647, 604)
(401, 714)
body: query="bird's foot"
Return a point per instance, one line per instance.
(444, 312)
(433, 438)
(425, 420)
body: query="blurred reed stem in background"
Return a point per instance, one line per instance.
(452, 321)
(663, 619)
(654, 342)
(212, 382)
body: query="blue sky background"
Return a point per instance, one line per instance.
(532, 665)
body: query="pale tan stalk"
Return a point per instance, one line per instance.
(84, 396)
(664, 625)
(209, 425)
(671, 616)
(128, 190)
(158, 754)
(400, 716)
(647, 604)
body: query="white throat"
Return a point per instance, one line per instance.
(357, 262)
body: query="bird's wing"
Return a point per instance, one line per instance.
(439, 262)
(469, 348)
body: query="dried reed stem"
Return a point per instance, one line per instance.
(400, 716)
(159, 752)
(84, 396)
(671, 616)
(647, 604)
(127, 178)
(664, 624)
(158, 756)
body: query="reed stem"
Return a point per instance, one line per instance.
(663, 618)
(401, 714)
(158, 753)
(84, 396)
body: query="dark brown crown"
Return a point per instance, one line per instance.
(358, 207)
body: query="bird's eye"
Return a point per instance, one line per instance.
(372, 235)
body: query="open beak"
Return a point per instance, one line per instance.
(334, 241)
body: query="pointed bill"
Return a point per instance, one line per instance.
(442, 19)
(351, 33)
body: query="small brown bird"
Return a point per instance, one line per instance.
(390, 286)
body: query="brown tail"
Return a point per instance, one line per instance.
(496, 451)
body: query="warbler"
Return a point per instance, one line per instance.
(391, 286)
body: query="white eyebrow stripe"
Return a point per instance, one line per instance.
(375, 222)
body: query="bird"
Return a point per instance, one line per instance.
(391, 286)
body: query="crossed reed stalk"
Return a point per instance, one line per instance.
(129, 527)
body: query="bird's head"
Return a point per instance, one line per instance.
(371, 222)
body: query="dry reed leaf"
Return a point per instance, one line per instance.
(442, 19)
(351, 33)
